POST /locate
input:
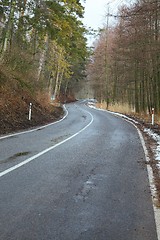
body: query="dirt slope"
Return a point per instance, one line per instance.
(15, 97)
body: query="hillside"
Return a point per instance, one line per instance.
(15, 98)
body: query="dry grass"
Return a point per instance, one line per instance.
(126, 109)
(120, 108)
(15, 97)
(43, 98)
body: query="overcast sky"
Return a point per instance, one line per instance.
(96, 10)
(94, 13)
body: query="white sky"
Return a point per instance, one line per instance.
(94, 13)
(96, 10)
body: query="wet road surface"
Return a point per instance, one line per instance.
(83, 178)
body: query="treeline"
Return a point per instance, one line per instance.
(43, 42)
(125, 66)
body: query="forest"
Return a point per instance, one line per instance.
(43, 54)
(43, 44)
(125, 66)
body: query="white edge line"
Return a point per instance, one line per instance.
(46, 150)
(150, 173)
(152, 185)
(35, 129)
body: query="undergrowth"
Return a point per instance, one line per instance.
(126, 109)
(15, 96)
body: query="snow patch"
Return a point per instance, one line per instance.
(156, 137)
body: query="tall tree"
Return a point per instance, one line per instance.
(40, 35)
(134, 65)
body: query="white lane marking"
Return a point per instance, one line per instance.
(150, 174)
(152, 185)
(46, 150)
(35, 129)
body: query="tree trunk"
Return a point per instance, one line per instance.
(57, 82)
(7, 42)
(42, 57)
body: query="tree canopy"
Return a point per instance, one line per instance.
(45, 39)
(125, 67)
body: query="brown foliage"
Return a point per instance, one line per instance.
(14, 105)
(126, 63)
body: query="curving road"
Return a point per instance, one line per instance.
(83, 178)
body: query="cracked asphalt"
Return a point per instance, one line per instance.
(93, 186)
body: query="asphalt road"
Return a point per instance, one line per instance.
(83, 178)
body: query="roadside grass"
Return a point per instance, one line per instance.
(121, 108)
(14, 108)
(126, 109)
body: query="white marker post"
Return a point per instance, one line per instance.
(152, 116)
(30, 112)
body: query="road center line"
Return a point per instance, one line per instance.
(46, 150)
